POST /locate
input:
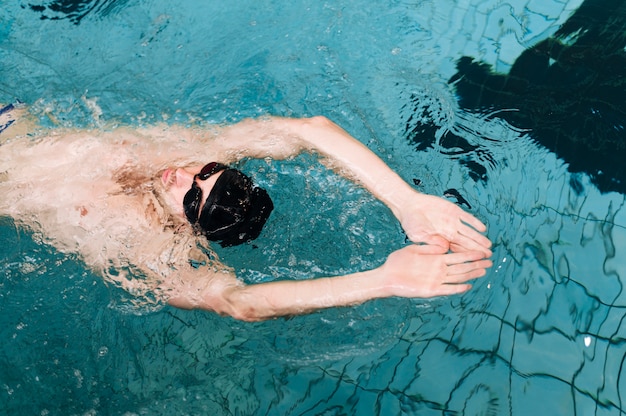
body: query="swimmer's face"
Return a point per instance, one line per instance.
(177, 182)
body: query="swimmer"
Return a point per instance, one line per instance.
(140, 205)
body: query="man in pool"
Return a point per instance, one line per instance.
(139, 204)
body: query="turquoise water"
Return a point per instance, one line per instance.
(543, 333)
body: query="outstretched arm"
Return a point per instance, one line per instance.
(412, 272)
(425, 218)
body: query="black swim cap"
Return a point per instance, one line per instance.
(235, 210)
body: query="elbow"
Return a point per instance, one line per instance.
(319, 121)
(241, 306)
(246, 314)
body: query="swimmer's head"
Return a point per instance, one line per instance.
(234, 211)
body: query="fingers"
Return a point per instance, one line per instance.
(470, 234)
(447, 290)
(463, 257)
(473, 222)
(467, 271)
(467, 239)
(462, 267)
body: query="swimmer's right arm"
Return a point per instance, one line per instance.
(424, 218)
(413, 271)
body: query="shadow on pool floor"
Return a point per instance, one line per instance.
(568, 91)
(73, 10)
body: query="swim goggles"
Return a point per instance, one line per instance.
(193, 197)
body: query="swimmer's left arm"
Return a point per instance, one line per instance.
(413, 272)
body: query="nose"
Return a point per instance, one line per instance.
(184, 178)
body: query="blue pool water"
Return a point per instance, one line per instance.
(543, 333)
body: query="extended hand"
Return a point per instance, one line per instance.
(425, 271)
(433, 220)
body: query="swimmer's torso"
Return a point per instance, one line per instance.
(93, 191)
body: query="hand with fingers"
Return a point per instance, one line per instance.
(425, 271)
(436, 221)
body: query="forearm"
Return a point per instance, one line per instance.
(284, 298)
(278, 138)
(413, 271)
(356, 161)
(424, 218)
